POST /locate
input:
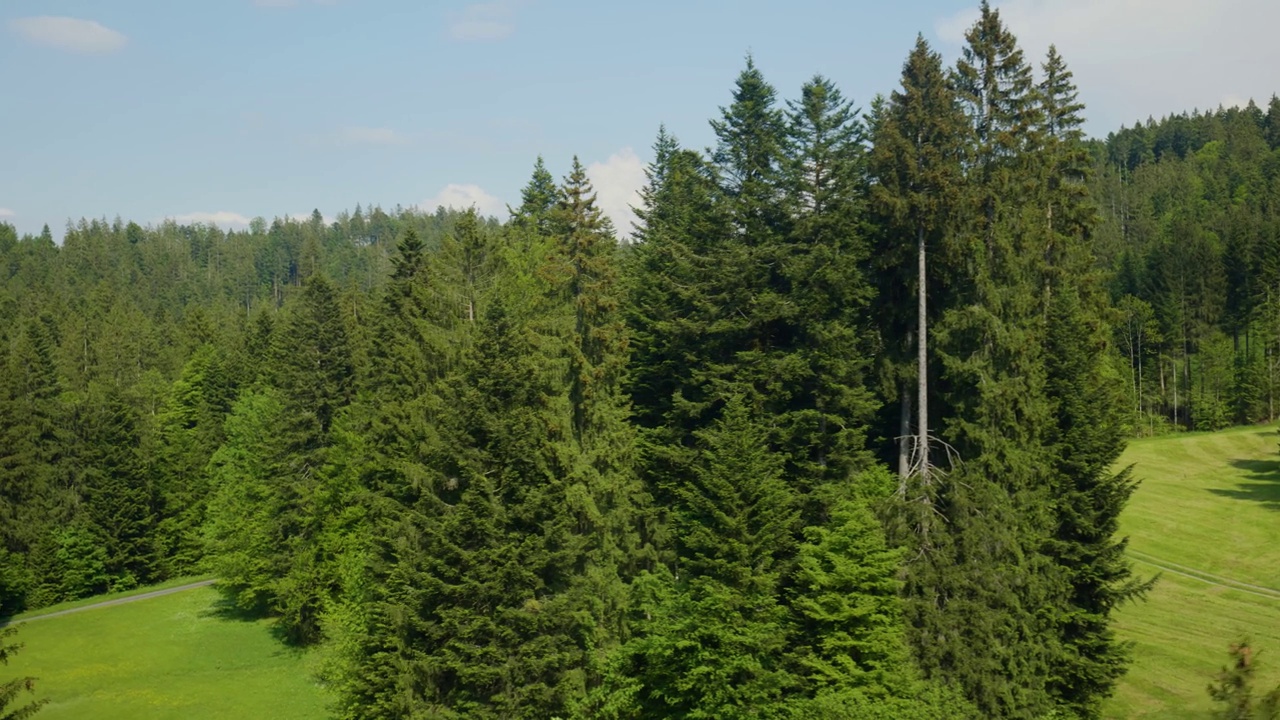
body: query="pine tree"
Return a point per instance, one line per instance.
(826, 274)
(1066, 167)
(598, 349)
(671, 305)
(916, 161)
(1086, 435)
(191, 430)
(1088, 498)
(995, 84)
(239, 545)
(32, 444)
(849, 614)
(275, 493)
(119, 500)
(672, 312)
(750, 138)
(537, 200)
(1273, 122)
(472, 619)
(315, 378)
(978, 585)
(712, 644)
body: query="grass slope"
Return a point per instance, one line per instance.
(179, 656)
(1207, 507)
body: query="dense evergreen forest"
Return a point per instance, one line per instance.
(830, 435)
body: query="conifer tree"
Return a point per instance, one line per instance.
(995, 84)
(1066, 169)
(1086, 435)
(671, 306)
(916, 161)
(713, 641)
(472, 619)
(119, 500)
(316, 379)
(826, 278)
(275, 491)
(1273, 122)
(240, 547)
(31, 445)
(750, 138)
(537, 199)
(1088, 498)
(191, 430)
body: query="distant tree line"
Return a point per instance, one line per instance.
(832, 437)
(1190, 233)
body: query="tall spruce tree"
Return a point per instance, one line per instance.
(1088, 497)
(713, 641)
(315, 377)
(1086, 435)
(120, 503)
(191, 430)
(995, 570)
(32, 441)
(276, 553)
(916, 161)
(603, 493)
(825, 275)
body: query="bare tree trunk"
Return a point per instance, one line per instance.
(1139, 391)
(904, 429)
(922, 364)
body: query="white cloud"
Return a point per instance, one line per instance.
(67, 33)
(617, 182)
(221, 218)
(7, 213)
(371, 136)
(1138, 58)
(485, 21)
(461, 197)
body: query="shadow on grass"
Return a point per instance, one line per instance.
(226, 608)
(1261, 485)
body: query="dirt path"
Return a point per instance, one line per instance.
(119, 601)
(1204, 577)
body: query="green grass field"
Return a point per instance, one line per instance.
(1208, 506)
(180, 656)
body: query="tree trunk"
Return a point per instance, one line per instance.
(922, 365)
(904, 427)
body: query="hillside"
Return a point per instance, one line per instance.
(1205, 516)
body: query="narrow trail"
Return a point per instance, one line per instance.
(118, 601)
(1204, 577)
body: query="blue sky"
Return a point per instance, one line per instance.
(222, 110)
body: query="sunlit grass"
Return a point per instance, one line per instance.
(1209, 502)
(179, 656)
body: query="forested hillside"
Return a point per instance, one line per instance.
(830, 435)
(1191, 232)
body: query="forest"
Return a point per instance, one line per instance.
(829, 433)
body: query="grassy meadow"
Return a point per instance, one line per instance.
(179, 657)
(1208, 514)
